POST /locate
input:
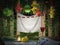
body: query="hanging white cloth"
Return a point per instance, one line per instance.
(28, 24)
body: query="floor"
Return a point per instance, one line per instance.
(42, 41)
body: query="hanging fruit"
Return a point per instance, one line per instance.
(8, 12)
(27, 9)
(51, 12)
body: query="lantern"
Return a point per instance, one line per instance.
(27, 9)
(19, 8)
(7, 12)
(51, 12)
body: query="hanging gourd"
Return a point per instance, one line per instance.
(38, 13)
(51, 12)
(7, 12)
(35, 6)
(19, 7)
(27, 8)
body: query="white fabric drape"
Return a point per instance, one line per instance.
(28, 25)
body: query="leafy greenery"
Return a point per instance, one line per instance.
(31, 36)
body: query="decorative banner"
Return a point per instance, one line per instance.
(28, 25)
(7, 12)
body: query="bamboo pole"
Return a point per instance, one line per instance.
(12, 27)
(17, 33)
(5, 25)
(40, 33)
(43, 23)
(50, 29)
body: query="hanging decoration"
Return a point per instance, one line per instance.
(35, 6)
(38, 13)
(19, 7)
(7, 12)
(51, 12)
(27, 8)
(34, 10)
